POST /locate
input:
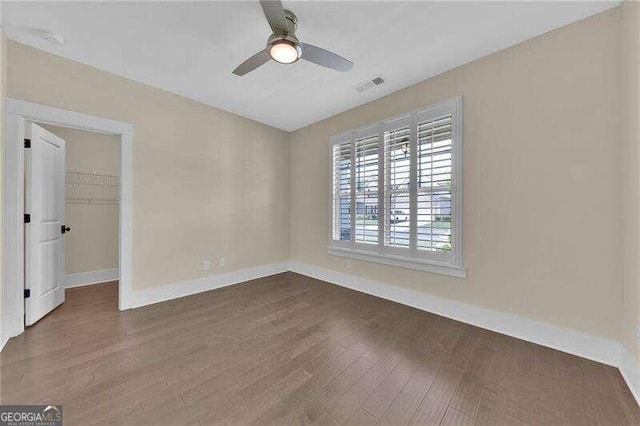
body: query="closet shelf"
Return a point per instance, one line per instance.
(91, 186)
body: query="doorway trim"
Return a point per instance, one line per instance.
(17, 113)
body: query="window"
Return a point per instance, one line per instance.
(397, 191)
(397, 200)
(366, 186)
(342, 191)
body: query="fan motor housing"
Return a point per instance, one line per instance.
(273, 38)
(291, 17)
(289, 37)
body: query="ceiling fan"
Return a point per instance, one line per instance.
(284, 47)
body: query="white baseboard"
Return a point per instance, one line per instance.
(88, 278)
(563, 339)
(211, 282)
(630, 369)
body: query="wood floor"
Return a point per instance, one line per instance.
(293, 350)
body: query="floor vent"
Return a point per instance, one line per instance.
(369, 84)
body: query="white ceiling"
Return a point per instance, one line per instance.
(190, 48)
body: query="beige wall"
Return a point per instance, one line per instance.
(3, 95)
(92, 244)
(542, 197)
(206, 183)
(631, 140)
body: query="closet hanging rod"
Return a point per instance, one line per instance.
(90, 201)
(91, 173)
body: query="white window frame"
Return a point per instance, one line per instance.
(450, 264)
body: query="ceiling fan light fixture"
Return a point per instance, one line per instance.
(285, 51)
(284, 47)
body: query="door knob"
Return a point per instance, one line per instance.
(65, 229)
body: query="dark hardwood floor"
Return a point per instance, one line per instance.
(293, 350)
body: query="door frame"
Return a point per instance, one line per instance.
(17, 113)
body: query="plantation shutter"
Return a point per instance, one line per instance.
(342, 190)
(367, 164)
(397, 191)
(434, 184)
(397, 202)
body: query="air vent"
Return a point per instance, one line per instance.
(369, 84)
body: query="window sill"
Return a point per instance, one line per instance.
(420, 265)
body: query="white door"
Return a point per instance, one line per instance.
(44, 243)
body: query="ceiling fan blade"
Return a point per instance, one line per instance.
(324, 58)
(257, 60)
(274, 12)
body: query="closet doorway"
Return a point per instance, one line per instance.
(90, 231)
(94, 179)
(92, 195)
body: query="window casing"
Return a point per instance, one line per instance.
(397, 191)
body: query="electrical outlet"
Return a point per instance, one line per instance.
(348, 263)
(221, 262)
(206, 265)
